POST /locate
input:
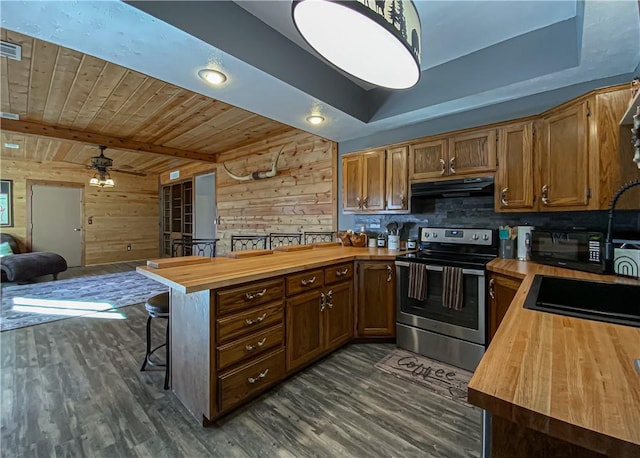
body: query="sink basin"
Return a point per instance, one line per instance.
(592, 300)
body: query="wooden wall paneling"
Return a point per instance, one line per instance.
(127, 213)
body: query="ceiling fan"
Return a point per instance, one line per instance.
(104, 164)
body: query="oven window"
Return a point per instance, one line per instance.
(432, 307)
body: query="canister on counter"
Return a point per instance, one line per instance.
(411, 244)
(381, 240)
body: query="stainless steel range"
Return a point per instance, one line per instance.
(450, 264)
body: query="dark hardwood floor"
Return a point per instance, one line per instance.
(73, 388)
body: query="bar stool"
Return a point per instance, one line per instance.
(158, 307)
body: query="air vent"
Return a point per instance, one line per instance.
(10, 50)
(12, 145)
(7, 115)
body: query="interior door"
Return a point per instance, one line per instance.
(56, 218)
(205, 213)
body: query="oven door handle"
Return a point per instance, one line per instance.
(478, 273)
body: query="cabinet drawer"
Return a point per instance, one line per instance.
(339, 272)
(248, 295)
(256, 319)
(305, 281)
(250, 346)
(238, 385)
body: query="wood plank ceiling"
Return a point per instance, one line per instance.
(68, 93)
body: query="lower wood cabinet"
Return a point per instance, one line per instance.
(376, 299)
(502, 290)
(317, 322)
(305, 329)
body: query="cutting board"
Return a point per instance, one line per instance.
(326, 244)
(247, 253)
(288, 248)
(164, 263)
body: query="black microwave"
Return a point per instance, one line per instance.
(580, 250)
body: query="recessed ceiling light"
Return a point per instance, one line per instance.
(212, 76)
(315, 119)
(12, 145)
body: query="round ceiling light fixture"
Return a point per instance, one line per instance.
(211, 76)
(378, 42)
(315, 119)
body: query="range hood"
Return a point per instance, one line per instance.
(482, 186)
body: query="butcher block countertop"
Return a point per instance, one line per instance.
(570, 378)
(221, 271)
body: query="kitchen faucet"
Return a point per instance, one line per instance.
(608, 246)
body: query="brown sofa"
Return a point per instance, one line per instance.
(23, 267)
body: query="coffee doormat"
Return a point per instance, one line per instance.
(444, 380)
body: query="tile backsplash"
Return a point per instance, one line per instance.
(466, 212)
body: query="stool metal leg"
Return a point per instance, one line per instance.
(146, 356)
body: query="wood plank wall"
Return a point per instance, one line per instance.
(300, 198)
(127, 213)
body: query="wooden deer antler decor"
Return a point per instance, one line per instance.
(256, 175)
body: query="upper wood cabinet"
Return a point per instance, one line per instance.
(473, 152)
(458, 155)
(375, 181)
(582, 153)
(397, 179)
(514, 176)
(428, 160)
(563, 154)
(363, 181)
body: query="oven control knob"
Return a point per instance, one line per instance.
(435, 235)
(426, 235)
(475, 237)
(485, 237)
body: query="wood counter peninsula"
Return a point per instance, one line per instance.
(557, 385)
(240, 326)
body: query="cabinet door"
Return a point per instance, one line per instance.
(373, 182)
(472, 152)
(502, 290)
(376, 299)
(428, 160)
(564, 158)
(305, 329)
(514, 179)
(352, 182)
(339, 314)
(397, 179)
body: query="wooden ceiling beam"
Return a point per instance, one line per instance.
(63, 133)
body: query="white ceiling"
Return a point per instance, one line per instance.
(504, 57)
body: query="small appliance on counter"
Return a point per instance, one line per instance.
(626, 256)
(579, 250)
(524, 242)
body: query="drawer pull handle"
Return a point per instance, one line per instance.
(251, 296)
(308, 282)
(256, 320)
(256, 345)
(443, 168)
(262, 375)
(340, 273)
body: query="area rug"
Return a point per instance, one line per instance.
(98, 296)
(444, 380)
